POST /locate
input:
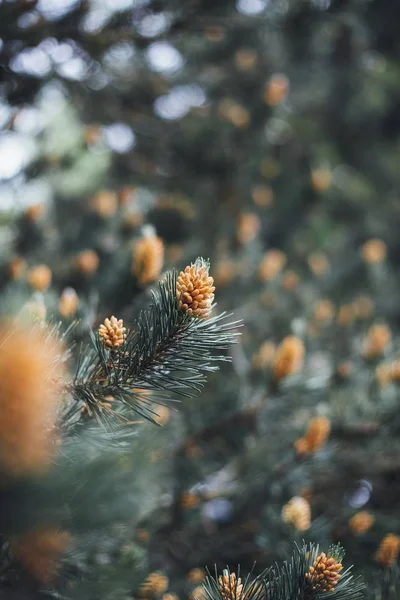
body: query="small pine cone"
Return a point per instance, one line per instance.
(361, 522)
(104, 204)
(189, 500)
(374, 251)
(321, 179)
(155, 585)
(230, 586)
(315, 437)
(345, 315)
(248, 227)
(344, 369)
(148, 259)
(87, 262)
(387, 373)
(297, 512)
(112, 332)
(378, 339)
(271, 264)
(40, 277)
(39, 552)
(68, 303)
(363, 307)
(290, 281)
(262, 195)
(289, 358)
(198, 593)
(142, 535)
(324, 312)
(34, 212)
(276, 89)
(169, 596)
(246, 59)
(16, 268)
(196, 575)
(324, 574)
(264, 357)
(195, 289)
(162, 415)
(318, 264)
(388, 551)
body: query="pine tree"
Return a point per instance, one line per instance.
(136, 137)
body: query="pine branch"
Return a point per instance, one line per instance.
(300, 579)
(168, 352)
(308, 575)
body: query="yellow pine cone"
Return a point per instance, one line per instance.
(387, 373)
(388, 551)
(29, 402)
(318, 264)
(148, 259)
(363, 307)
(248, 227)
(271, 264)
(68, 303)
(196, 575)
(16, 268)
(321, 179)
(276, 89)
(87, 262)
(195, 290)
(374, 251)
(230, 586)
(198, 593)
(189, 500)
(324, 574)
(112, 332)
(324, 311)
(39, 551)
(378, 339)
(315, 437)
(154, 585)
(297, 512)
(40, 277)
(361, 522)
(264, 357)
(289, 358)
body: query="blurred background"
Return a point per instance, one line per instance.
(136, 135)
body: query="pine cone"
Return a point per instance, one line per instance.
(28, 400)
(148, 259)
(39, 551)
(16, 268)
(155, 585)
(230, 586)
(361, 522)
(195, 290)
(297, 513)
(112, 332)
(40, 277)
(315, 437)
(388, 550)
(378, 339)
(374, 251)
(324, 574)
(87, 262)
(289, 358)
(271, 264)
(196, 575)
(68, 303)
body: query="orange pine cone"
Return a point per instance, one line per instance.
(28, 400)
(195, 290)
